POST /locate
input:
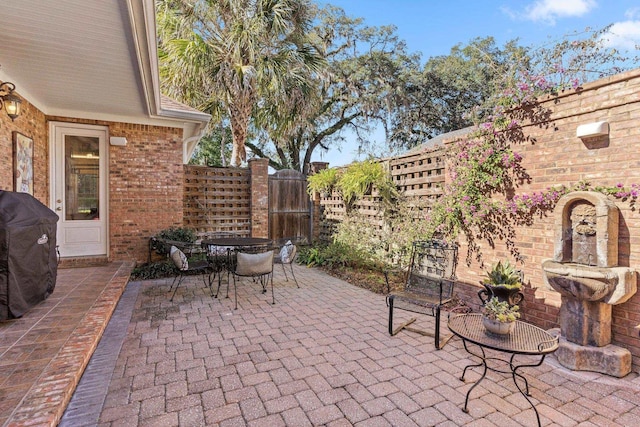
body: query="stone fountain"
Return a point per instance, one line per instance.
(585, 271)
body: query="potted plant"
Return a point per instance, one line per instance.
(504, 282)
(499, 317)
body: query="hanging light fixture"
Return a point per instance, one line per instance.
(9, 101)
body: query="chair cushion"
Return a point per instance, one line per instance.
(179, 258)
(254, 264)
(287, 252)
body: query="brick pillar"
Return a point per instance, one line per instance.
(259, 197)
(316, 213)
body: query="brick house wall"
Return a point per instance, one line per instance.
(145, 176)
(31, 123)
(145, 185)
(557, 157)
(146, 191)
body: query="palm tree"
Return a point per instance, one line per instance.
(225, 56)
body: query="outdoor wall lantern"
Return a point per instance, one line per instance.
(9, 101)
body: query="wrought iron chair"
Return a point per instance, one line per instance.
(188, 265)
(428, 287)
(219, 258)
(287, 255)
(255, 265)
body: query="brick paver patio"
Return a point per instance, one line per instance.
(320, 357)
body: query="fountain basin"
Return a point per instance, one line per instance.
(609, 285)
(585, 272)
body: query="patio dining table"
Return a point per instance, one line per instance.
(239, 242)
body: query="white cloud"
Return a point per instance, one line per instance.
(633, 13)
(623, 35)
(549, 10)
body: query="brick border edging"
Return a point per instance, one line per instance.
(53, 390)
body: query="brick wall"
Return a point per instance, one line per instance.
(558, 156)
(145, 187)
(259, 197)
(31, 123)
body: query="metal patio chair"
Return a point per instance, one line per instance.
(287, 255)
(188, 265)
(258, 266)
(428, 286)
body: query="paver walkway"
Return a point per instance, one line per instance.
(43, 353)
(320, 357)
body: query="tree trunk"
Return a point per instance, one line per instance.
(223, 144)
(239, 113)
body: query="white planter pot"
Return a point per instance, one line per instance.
(495, 327)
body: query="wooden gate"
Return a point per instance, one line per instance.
(289, 206)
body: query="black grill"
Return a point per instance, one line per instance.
(28, 258)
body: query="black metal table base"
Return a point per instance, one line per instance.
(526, 344)
(513, 370)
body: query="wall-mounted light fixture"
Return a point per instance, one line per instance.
(592, 130)
(9, 101)
(118, 140)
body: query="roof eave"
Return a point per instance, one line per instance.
(143, 22)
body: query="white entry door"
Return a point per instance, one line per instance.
(79, 187)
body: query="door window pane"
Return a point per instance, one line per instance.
(82, 179)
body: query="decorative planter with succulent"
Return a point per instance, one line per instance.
(499, 317)
(504, 282)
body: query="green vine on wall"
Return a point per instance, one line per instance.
(355, 181)
(322, 181)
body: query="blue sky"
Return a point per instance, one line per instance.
(433, 27)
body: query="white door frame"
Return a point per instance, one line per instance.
(79, 237)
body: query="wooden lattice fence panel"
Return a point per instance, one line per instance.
(333, 206)
(416, 175)
(217, 200)
(421, 174)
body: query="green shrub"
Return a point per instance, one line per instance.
(310, 256)
(360, 178)
(180, 234)
(390, 243)
(322, 181)
(337, 255)
(154, 270)
(357, 180)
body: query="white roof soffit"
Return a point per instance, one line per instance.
(90, 59)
